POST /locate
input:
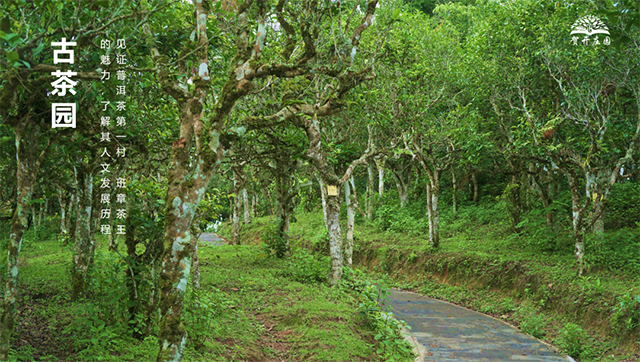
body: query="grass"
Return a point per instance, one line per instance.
(261, 313)
(483, 266)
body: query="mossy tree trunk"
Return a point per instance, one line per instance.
(247, 208)
(238, 187)
(370, 185)
(327, 174)
(28, 163)
(83, 243)
(401, 171)
(380, 165)
(284, 196)
(323, 196)
(64, 206)
(351, 213)
(433, 211)
(455, 190)
(132, 273)
(433, 166)
(474, 183)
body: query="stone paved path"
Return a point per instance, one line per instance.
(212, 239)
(452, 333)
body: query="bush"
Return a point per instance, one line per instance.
(396, 219)
(320, 242)
(384, 216)
(201, 308)
(484, 213)
(102, 325)
(303, 267)
(274, 244)
(507, 305)
(623, 209)
(626, 314)
(619, 249)
(391, 345)
(572, 339)
(532, 323)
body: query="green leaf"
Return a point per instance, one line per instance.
(13, 56)
(38, 49)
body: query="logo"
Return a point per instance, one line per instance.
(590, 25)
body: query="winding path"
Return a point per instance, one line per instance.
(212, 239)
(453, 333)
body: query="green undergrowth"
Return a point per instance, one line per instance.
(250, 307)
(277, 314)
(359, 294)
(482, 266)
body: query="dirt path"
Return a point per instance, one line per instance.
(453, 333)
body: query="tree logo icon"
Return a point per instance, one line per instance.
(589, 25)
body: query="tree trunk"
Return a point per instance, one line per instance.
(254, 201)
(474, 182)
(380, 166)
(455, 190)
(598, 227)
(131, 276)
(514, 202)
(73, 215)
(238, 186)
(577, 222)
(42, 214)
(403, 188)
(63, 214)
(34, 216)
(152, 310)
(95, 222)
(433, 215)
(545, 197)
(83, 242)
(335, 239)
(247, 209)
(351, 213)
(235, 229)
(283, 203)
(27, 170)
(323, 195)
(370, 192)
(265, 199)
(596, 217)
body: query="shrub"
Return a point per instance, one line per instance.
(274, 244)
(201, 310)
(623, 209)
(391, 345)
(507, 305)
(396, 219)
(303, 267)
(102, 325)
(320, 242)
(532, 323)
(619, 249)
(384, 215)
(626, 314)
(572, 339)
